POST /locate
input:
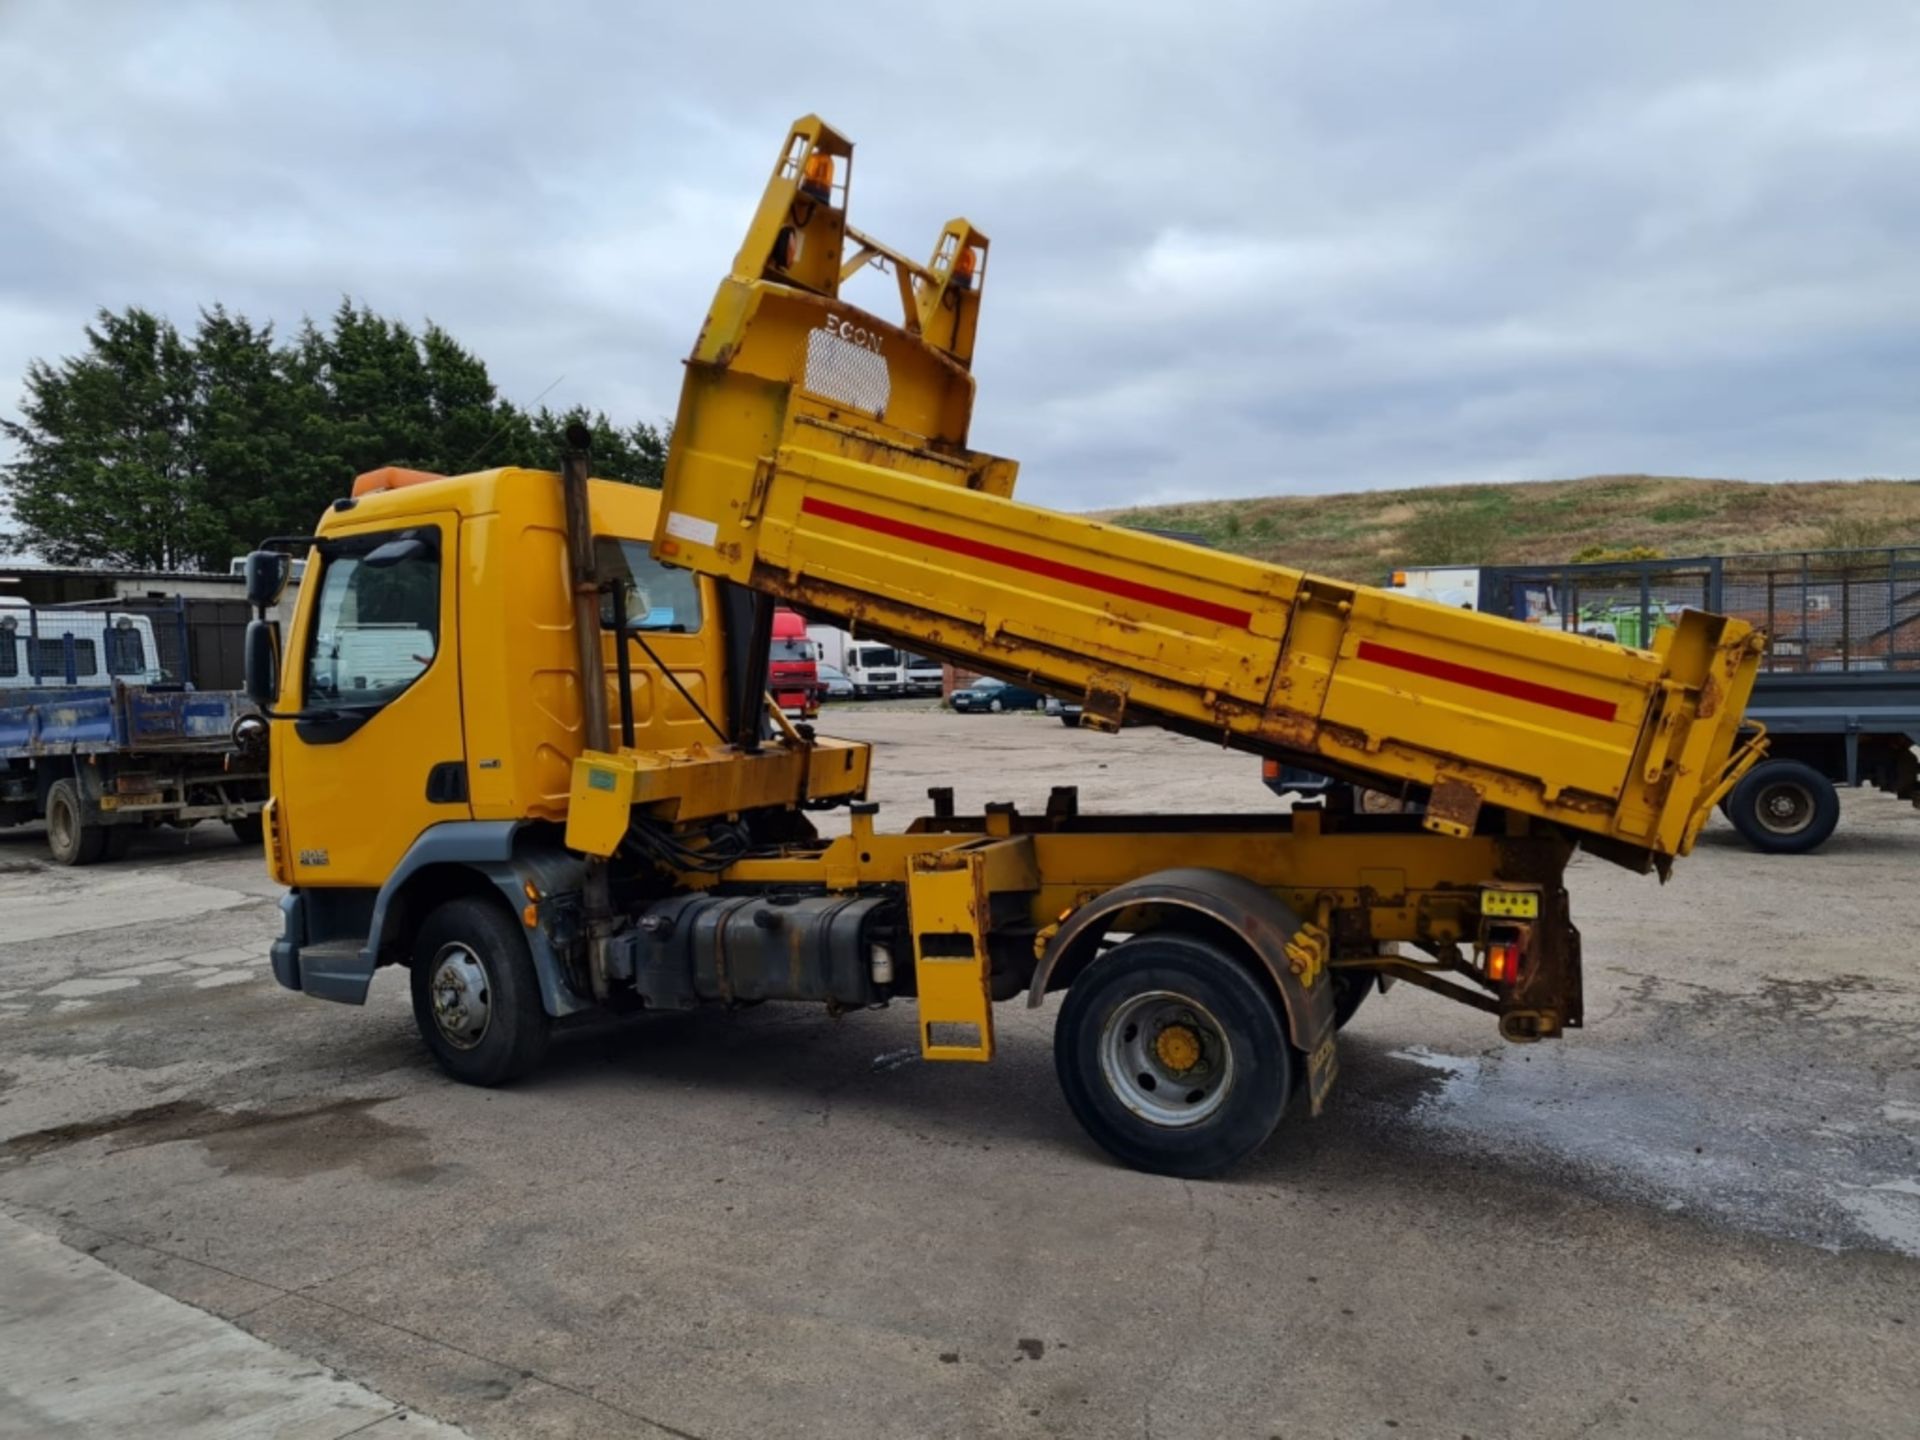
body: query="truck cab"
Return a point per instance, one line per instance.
(922, 676)
(877, 670)
(793, 672)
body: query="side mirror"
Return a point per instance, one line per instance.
(266, 572)
(263, 660)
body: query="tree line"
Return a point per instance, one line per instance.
(163, 450)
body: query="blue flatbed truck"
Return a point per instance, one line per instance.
(1838, 690)
(103, 735)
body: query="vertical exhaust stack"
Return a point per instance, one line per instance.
(575, 468)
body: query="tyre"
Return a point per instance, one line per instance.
(249, 830)
(1784, 807)
(476, 1000)
(70, 838)
(120, 840)
(1350, 991)
(1173, 1057)
(995, 706)
(1072, 722)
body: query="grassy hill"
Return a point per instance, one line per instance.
(1362, 536)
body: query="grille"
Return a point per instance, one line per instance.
(846, 373)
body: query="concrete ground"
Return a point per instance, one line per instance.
(1698, 1217)
(90, 1352)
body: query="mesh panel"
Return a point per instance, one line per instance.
(135, 640)
(1821, 610)
(846, 373)
(91, 645)
(1840, 610)
(172, 655)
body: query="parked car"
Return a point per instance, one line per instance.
(834, 682)
(990, 695)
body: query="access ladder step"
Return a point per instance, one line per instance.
(947, 910)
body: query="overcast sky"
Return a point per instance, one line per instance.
(1238, 249)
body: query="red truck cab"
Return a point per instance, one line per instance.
(792, 673)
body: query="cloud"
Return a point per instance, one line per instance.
(1249, 249)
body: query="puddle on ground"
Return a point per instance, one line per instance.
(283, 1144)
(1821, 1161)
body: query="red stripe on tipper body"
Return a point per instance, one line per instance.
(1030, 564)
(1491, 681)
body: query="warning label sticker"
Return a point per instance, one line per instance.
(682, 526)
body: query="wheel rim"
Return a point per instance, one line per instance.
(1166, 1058)
(60, 825)
(462, 999)
(1784, 808)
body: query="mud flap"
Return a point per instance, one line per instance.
(1323, 1066)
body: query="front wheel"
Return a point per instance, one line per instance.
(1784, 807)
(1173, 1057)
(476, 1000)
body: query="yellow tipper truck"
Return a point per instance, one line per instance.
(522, 745)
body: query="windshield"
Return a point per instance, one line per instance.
(657, 596)
(867, 659)
(792, 650)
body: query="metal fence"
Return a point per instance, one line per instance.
(1822, 610)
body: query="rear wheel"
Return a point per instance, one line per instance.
(70, 839)
(120, 840)
(1784, 807)
(476, 1000)
(1172, 1056)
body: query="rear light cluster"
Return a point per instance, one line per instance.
(1507, 923)
(1506, 952)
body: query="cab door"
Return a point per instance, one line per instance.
(376, 751)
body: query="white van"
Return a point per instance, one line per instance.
(46, 645)
(923, 676)
(875, 669)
